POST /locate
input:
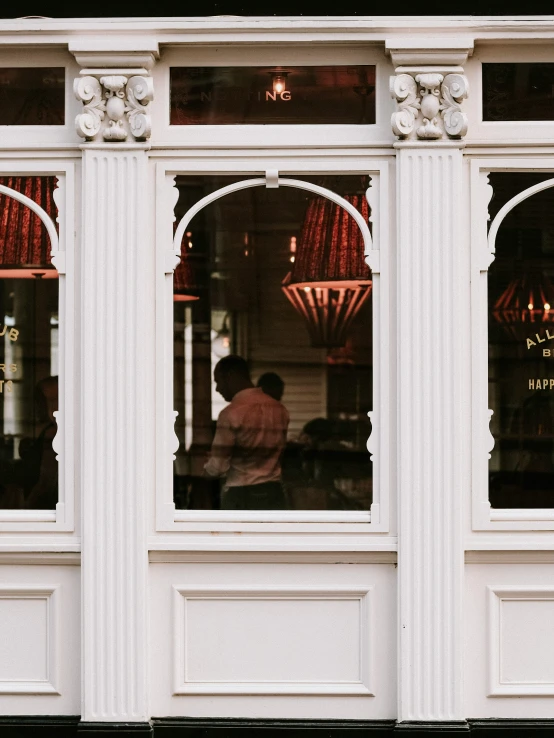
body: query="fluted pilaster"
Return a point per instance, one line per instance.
(430, 563)
(115, 326)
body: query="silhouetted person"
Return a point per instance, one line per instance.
(250, 437)
(43, 494)
(272, 385)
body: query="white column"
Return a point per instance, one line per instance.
(113, 420)
(117, 389)
(430, 547)
(430, 124)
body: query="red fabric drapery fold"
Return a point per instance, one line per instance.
(24, 240)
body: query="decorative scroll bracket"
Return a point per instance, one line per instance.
(429, 87)
(429, 105)
(485, 196)
(115, 105)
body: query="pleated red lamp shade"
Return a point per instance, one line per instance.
(330, 280)
(24, 243)
(185, 281)
(526, 304)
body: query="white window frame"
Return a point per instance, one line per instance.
(35, 138)
(22, 529)
(288, 52)
(313, 527)
(508, 132)
(485, 518)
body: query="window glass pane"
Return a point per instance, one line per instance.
(235, 95)
(28, 350)
(521, 347)
(518, 92)
(277, 277)
(32, 96)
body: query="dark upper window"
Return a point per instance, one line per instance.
(250, 95)
(518, 92)
(32, 96)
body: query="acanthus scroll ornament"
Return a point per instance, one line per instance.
(140, 91)
(114, 86)
(404, 88)
(429, 105)
(454, 89)
(114, 107)
(89, 91)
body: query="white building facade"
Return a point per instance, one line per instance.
(134, 603)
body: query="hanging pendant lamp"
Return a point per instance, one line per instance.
(330, 280)
(185, 282)
(24, 243)
(526, 304)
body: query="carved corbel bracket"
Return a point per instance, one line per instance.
(115, 106)
(429, 105)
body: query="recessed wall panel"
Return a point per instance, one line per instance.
(272, 641)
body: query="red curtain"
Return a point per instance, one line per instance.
(23, 237)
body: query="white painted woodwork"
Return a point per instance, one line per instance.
(116, 316)
(253, 523)
(430, 409)
(226, 642)
(40, 626)
(430, 554)
(260, 636)
(16, 525)
(484, 519)
(508, 635)
(30, 628)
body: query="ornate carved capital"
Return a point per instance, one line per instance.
(429, 105)
(115, 106)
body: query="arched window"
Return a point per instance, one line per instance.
(277, 276)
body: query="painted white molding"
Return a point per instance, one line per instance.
(183, 596)
(429, 87)
(40, 558)
(430, 288)
(499, 556)
(483, 517)
(115, 106)
(62, 254)
(256, 522)
(510, 205)
(440, 52)
(275, 181)
(104, 51)
(49, 595)
(429, 105)
(271, 557)
(503, 643)
(115, 421)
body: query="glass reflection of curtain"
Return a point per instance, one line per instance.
(23, 237)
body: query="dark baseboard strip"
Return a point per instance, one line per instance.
(61, 726)
(114, 730)
(516, 728)
(236, 727)
(38, 726)
(417, 729)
